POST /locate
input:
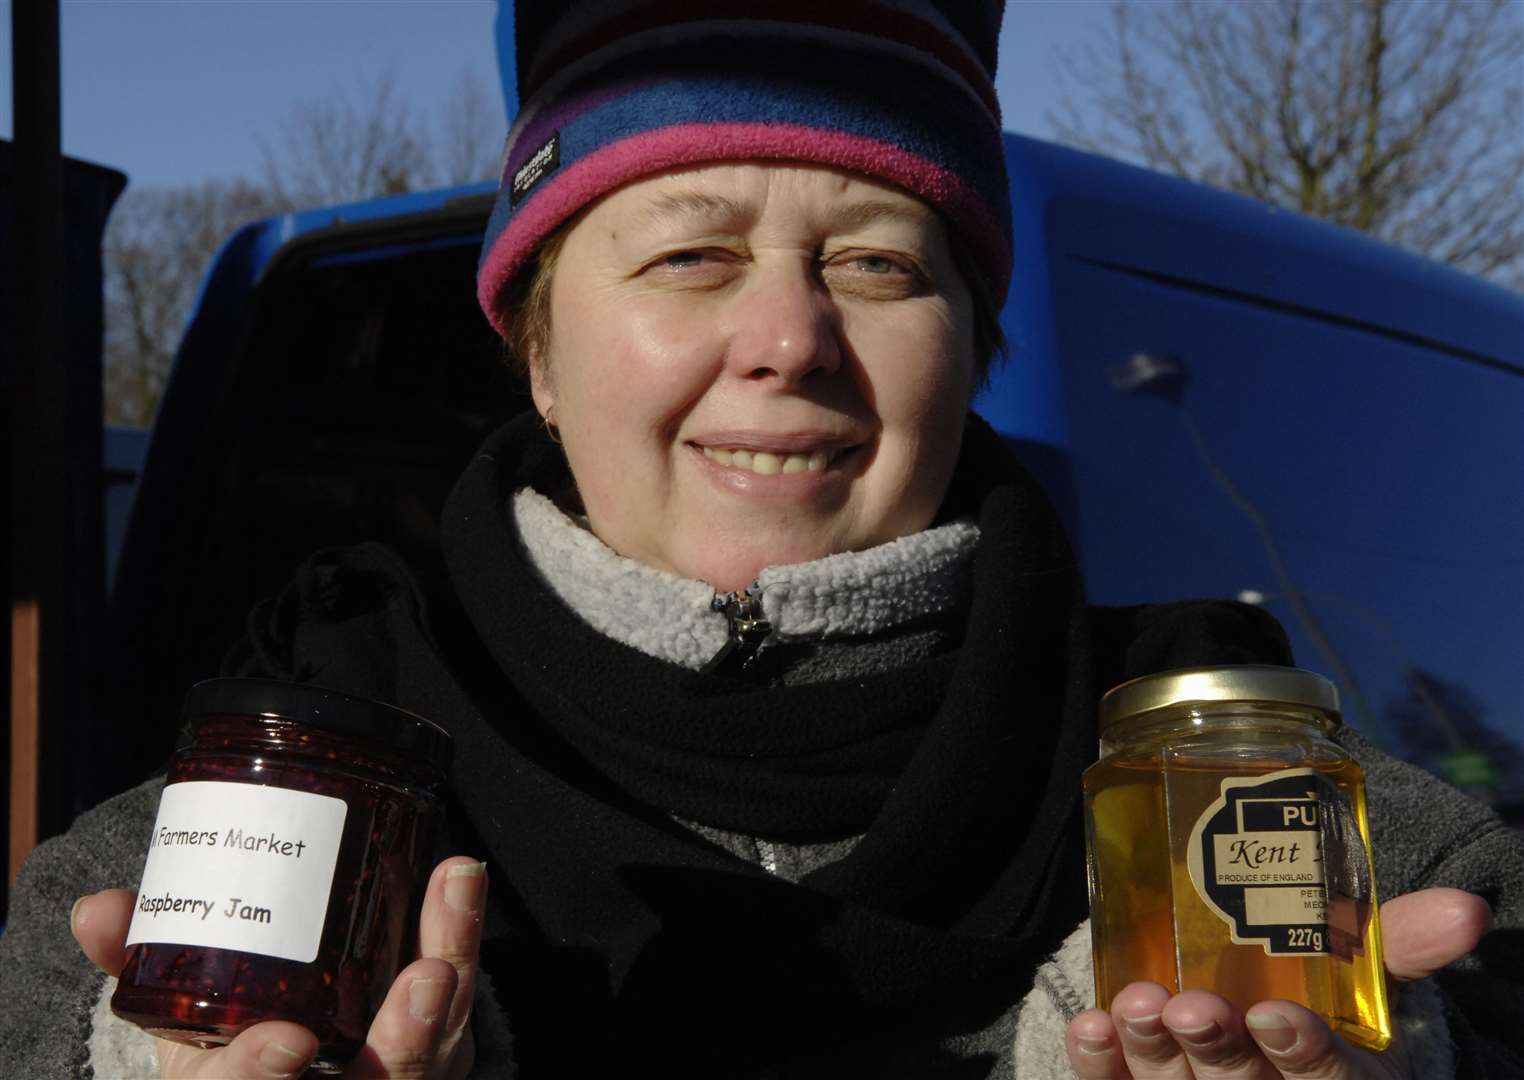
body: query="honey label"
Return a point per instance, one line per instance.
(1257, 859)
(239, 866)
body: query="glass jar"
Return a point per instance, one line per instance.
(1228, 846)
(286, 870)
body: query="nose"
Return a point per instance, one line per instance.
(786, 328)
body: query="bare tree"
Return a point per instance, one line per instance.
(158, 246)
(1402, 119)
(1443, 727)
(345, 148)
(160, 241)
(470, 132)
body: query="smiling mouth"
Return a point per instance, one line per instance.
(764, 463)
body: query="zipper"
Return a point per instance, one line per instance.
(748, 630)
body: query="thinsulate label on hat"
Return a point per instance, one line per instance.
(541, 164)
(1256, 859)
(240, 866)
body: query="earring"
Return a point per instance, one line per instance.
(549, 422)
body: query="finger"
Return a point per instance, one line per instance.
(450, 928)
(1212, 1034)
(403, 1041)
(274, 1050)
(99, 923)
(1094, 1052)
(1150, 1051)
(1428, 930)
(1301, 1045)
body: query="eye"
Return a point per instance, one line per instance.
(691, 268)
(877, 264)
(682, 260)
(875, 275)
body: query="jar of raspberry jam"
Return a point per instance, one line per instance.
(287, 866)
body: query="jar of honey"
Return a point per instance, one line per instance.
(1228, 846)
(287, 866)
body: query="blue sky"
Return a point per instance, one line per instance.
(175, 91)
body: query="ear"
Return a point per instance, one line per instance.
(541, 387)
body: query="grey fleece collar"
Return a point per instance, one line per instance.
(669, 617)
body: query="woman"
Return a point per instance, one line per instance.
(769, 671)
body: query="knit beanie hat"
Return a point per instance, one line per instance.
(614, 90)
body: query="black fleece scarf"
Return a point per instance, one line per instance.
(962, 771)
(618, 937)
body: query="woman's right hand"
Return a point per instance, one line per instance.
(422, 1030)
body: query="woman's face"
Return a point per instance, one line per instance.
(754, 365)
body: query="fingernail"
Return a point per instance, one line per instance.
(463, 885)
(281, 1059)
(1090, 1045)
(1143, 1027)
(426, 999)
(77, 918)
(1205, 1035)
(1272, 1031)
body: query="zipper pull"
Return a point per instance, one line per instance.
(748, 629)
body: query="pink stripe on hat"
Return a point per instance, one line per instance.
(610, 167)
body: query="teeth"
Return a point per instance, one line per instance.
(768, 464)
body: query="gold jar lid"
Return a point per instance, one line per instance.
(1260, 684)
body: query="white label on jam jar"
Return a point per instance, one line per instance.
(1256, 859)
(240, 866)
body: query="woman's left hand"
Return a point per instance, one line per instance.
(1153, 1035)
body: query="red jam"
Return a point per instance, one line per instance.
(240, 918)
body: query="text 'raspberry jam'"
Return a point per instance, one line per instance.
(286, 868)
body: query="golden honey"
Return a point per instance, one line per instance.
(1228, 847)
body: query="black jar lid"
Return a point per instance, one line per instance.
(327, 710)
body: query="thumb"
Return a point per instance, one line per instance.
(99, 922)
(1425, 931)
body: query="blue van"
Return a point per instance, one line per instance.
(1225, 399)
